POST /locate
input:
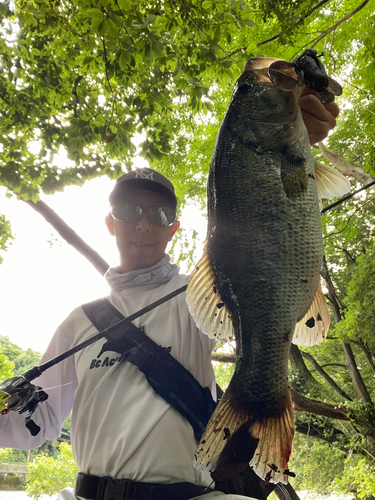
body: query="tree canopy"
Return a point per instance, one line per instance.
(97, 78)
(107, 81)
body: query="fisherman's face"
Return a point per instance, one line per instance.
(141, 244)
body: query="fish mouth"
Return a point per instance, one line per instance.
(260, 63)
(275, 72)
(259, 66)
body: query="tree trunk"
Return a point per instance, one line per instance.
(368, 354)
(69, 235)
(307, 381)
(335, 303)
(325, 375)
(350, 361)
(355, 374)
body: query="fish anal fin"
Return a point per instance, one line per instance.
(235, 439)
(205, 303)
(330, 182)
(293, 170)
(309, 330)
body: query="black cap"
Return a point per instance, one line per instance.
(142, 178)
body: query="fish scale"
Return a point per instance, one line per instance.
(263, 256)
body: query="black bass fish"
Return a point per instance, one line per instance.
(258, 280)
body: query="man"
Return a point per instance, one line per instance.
(121, 429)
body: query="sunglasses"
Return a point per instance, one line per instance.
(159, 216)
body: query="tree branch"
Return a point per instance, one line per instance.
(340, 365)
(105, 65)
(348, 219)
(335, 303)
(355, 374)
(345, 18)
(350, 360)
(301, 403)
(368, 354)
(223, 357)
(325, 375)
(123, 24)
(300, 21)
(305, 379)
(325, 431)
(344, 166)
(69, 235)
(201, 30)
(5, 100)
(74, 92)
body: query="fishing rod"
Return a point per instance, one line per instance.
(346, 197)
(38, 370)
(18, 394)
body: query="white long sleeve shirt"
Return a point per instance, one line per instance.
(120, 426)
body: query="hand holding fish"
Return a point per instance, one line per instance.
(319, 118)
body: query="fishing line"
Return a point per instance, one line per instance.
(38, 370)
(346, 197)
(74, 381)
(56, 386)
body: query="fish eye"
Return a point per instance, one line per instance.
(244, 87)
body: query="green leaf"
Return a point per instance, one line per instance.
(151, 19)
(3, 9)
(227, 63)
(124, 60)
(250, 23)
(125, 4)
(87, 60)
(94, 13)
(209, 105)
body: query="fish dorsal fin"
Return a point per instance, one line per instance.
(309, 330)
(205, 303)
(330, 182)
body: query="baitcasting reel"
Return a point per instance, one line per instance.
(18, 394)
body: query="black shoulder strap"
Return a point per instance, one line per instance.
(172, 381)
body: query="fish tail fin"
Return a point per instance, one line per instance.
(275, 435)
(234, 439)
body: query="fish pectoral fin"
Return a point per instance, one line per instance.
(234, 439)
(309, 330)
(293, 170)
(330, 182)
(205, 303)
